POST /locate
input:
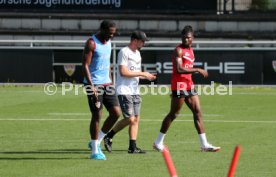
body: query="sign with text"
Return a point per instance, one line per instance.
(222, 66)
(240, 67)
(167, 6)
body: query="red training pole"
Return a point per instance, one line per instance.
(169, 162)
(234, 161)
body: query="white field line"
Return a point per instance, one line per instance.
(82, 93)
(215, 121)
(252, 93)
(68, 114)
(142, 120)
(88, 114)
(205, 115)
(42, 119)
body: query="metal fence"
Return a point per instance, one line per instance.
(151, 45)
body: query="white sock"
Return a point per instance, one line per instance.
(160, 138)
(203, 139)
(94, 144)
(101, 136)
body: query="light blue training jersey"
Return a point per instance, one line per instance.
(100, 63)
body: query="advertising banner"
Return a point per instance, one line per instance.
(169, 6)
(24, 66)
(240, 67)
(269, 68)
(67, 66)
(222, 66)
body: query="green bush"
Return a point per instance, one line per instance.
(263, 5)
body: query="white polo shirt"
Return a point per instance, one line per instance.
(132, 60)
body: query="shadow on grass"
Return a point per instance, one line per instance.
(41, 158)
(50, 151)
(46, 152)
(56, 152)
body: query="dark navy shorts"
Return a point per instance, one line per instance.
(183, 93)
(106, 97)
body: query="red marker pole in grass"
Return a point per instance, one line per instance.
(234, 161)
(169, 162)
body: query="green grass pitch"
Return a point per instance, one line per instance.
(47, 136)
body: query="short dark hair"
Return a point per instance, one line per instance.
(106, 24)
(187, 29)
(140, 35)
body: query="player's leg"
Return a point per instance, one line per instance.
(133, 134)
(176, 104)
(121, 124)
(94, 126)
(126, 105)
(134, 126)
(94, 131)
(193, 103)
(114, 114)
(108, 139)
(111, 103)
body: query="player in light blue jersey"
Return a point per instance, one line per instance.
(98, 84)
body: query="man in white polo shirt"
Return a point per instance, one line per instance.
(129, 72)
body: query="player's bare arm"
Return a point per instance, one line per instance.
(182, 69)
(152, 78)
(110, 75)
(124, 71)
(87, 58)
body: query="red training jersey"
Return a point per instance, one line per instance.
(183, 81)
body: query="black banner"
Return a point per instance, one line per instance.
(222, 66)
(170, 6)
(269, 68)
(26, 66)
(240, 67)
(67, 66)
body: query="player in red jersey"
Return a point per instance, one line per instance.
(183, 91)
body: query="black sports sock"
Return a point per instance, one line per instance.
(132, 144)
(111, 134)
